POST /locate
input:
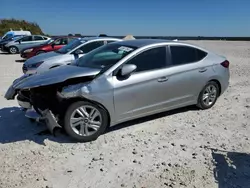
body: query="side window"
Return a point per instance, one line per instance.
(151, 59)
(45, 38)
(57, 41)
(61, 41)
(64, 41)
(38, 38)
(91, 46)
(201, 54)
(26, 39)
(185, 54)
(110, 41)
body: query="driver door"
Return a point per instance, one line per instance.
(144, 91)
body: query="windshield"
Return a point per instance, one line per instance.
(105, 57)
(7, 36)
(72, 45)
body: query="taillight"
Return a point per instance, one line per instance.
(225, 64)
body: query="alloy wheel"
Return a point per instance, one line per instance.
(13, 50)
(209, 95)
(86, 120)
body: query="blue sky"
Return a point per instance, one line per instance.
(137, 17)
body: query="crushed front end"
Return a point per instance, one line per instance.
(45, 101)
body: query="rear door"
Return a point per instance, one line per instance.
(187, 74)
(38, 39)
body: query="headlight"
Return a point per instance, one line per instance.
(35, 65)
(28, 50)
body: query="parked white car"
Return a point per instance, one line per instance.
(65, 55)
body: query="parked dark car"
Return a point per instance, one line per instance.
(49, 46)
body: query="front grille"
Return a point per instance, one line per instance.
(24, 68)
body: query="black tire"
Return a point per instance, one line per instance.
(13, 50)
(85, 138)
(40, 52)
(201, 104)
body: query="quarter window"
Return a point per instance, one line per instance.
(185, 54)
(151, 59)
(91, 46)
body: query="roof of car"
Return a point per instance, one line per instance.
(146, 42)
(93, 38)
(142, 42)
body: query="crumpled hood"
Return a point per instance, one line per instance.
(56, 75)
(41, 57)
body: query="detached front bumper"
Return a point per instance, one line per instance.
(46, 115)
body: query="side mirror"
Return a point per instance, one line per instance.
(52, 45)
(19, 42)
(127, 69)
(78, 51)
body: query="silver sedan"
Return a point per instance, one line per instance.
(122, 81)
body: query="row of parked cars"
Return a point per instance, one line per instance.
(96, 82)
(31, 45)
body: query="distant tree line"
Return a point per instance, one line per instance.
(14, 24)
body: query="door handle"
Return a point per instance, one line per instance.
(203, 70)
(163, 79)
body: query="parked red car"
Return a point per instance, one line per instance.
(51, 45)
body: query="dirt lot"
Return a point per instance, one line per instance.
(181, 148)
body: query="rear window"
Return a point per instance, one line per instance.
(185, 54)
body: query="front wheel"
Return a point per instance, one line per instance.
(13, 50)
(208, 95)
(85, 121)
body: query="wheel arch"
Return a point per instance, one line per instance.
(217, 82)
(69, 101)
(14, 47)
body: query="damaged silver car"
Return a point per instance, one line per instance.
(122, 81)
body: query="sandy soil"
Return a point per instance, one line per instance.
(181, 148)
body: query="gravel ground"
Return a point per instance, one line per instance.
(182, 148)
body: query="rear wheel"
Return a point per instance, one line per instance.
(208, 96)
(13, 50)
(85, 121)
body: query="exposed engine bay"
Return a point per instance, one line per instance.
(50, 100)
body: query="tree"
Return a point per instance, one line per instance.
(14, 24)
